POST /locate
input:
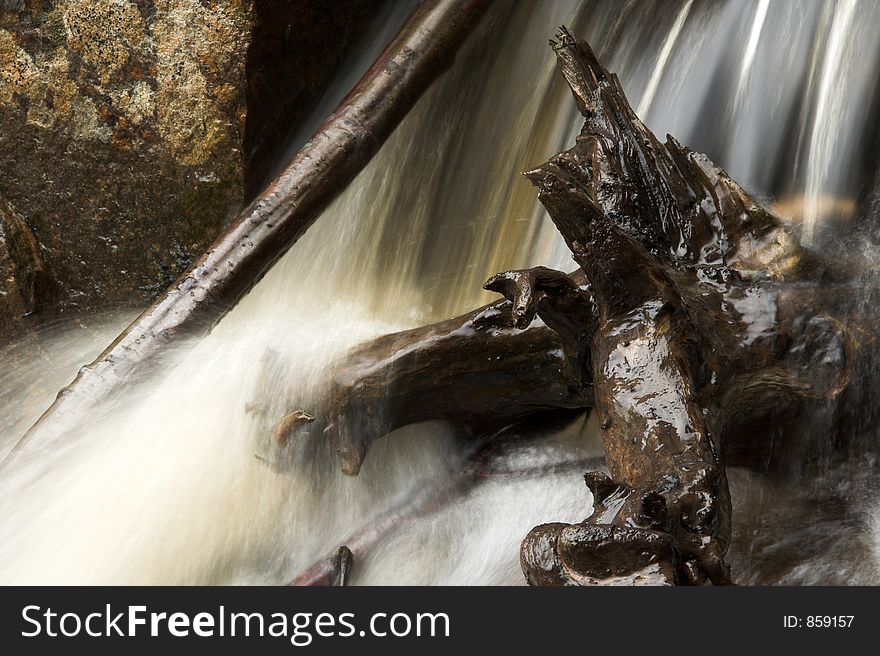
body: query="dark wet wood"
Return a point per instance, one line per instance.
(692, 345)
(477, 370)
(482, 372)
(268, 227)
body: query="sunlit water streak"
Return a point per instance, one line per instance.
(167, 484)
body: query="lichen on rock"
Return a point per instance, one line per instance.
(121, 122)
(104, 33)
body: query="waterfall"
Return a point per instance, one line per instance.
(168, 485)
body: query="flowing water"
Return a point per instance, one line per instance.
(168, 484)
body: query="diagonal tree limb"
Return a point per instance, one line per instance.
(268, 227)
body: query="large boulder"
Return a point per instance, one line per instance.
(122, 127)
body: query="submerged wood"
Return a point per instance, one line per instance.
(268, 227)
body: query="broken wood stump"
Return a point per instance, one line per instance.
(686, 270)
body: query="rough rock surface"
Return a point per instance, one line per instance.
(122, 124)
(22, 276)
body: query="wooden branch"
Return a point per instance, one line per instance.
(265, 230)
(478, 469)
(327, 573)
(477, 370)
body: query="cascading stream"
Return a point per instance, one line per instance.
(168, 483)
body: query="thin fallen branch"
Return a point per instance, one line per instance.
(430, 501)
(268, 227)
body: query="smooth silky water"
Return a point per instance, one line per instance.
(169, 483)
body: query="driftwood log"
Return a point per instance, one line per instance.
(477, 370)
(423, 49)
(695, 326)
